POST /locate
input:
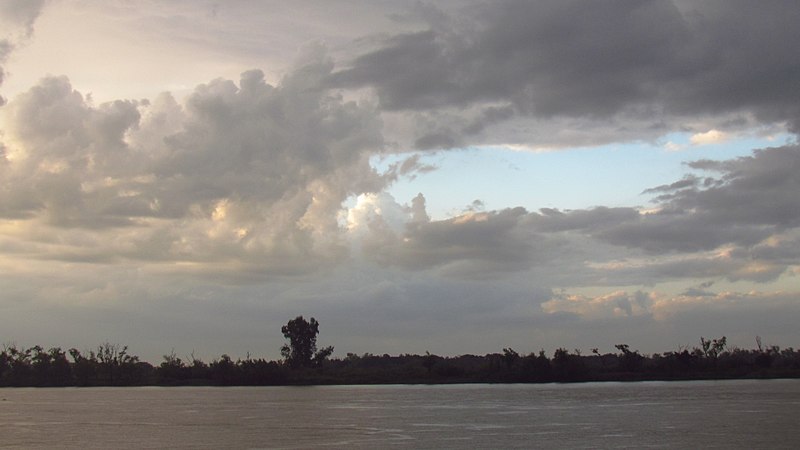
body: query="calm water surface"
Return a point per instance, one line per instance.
(707, 414)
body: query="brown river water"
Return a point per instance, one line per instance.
(698, 414)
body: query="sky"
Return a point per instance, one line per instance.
(453, 176)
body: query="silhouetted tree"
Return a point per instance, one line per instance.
(428, 361)
(301, 351)
(19, 369)
(116, 365)
(172, 369)
(198, 369)
(630, 360)
(713, 348)
(259, 372)
(50, 368)
(536, 367)
(567, 367)
(766, 356)
(223, 371)
(83, 367)
(510, 357)
(322, 355)
(5, 367)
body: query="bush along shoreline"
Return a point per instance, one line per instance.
(303, 363)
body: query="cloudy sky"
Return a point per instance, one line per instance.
(450, 176)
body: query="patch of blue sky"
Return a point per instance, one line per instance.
(576, 178)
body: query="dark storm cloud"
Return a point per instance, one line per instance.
(545, 57)
(442, 138)
(585, 219)
(594, 59)
(699, 291)
(785, 249)
(759, 189)
(750, 199)
(688, 181)
(681, 232)
(482, 242)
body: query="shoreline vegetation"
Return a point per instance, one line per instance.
(303, 364)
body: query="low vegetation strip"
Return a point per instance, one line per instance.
(112, 365)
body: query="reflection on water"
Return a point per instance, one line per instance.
(707, 414)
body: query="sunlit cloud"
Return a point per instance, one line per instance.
(708, 138)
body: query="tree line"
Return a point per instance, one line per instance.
(302, 363)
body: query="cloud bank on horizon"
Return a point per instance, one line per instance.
(205, 218)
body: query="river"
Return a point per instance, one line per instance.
(696, 414)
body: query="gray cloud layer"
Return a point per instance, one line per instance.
(597, 60)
